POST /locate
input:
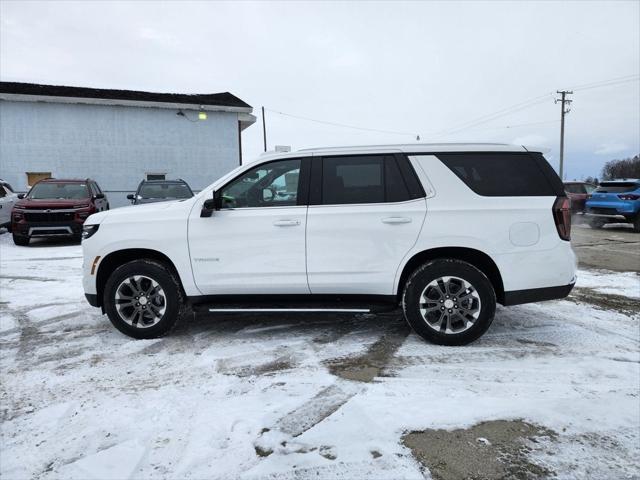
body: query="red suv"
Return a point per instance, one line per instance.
(55, 208)
(578, 193)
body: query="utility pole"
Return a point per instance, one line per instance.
(563, 111)
(264, 131)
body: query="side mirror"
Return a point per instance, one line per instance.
(99, 196)
(131, 196)
(21, 196)
(208, 207)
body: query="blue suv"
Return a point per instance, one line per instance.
(614, 202)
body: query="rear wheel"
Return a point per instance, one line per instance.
(21, 240)
(144, 299)
(449, 302)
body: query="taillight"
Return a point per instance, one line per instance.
(562, 216)
(629, 196)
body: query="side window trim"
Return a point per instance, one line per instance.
(411, 180)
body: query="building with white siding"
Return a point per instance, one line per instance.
(118, 137)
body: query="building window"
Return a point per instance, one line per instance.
(33, 177)
(156, 176)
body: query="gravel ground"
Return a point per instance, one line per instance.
(550, 391)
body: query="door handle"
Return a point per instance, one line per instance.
(396, 220)
(286, 223)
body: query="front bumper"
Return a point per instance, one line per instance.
(48, 229)
(517, 297)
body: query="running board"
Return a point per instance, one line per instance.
(294, 303)
(258, 310)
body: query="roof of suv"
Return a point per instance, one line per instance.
(408, 148)
(65, 180)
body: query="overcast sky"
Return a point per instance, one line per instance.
(427, 68)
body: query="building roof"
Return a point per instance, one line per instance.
(224, 99)
(66, 94)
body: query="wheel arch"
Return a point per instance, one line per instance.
(477, 258)
(119, 257)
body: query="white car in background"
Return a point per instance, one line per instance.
(444, 231)
(7, 200)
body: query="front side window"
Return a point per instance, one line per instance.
(275, 184)
(362, 179)
(3, 193)
(63, 191)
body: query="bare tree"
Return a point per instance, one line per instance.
(625, 168)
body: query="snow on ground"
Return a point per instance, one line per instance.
(259, 397)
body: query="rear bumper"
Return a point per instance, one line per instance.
(517, 297)
(609, 216)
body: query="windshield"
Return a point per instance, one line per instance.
(65, 191)
(165, 190)
(617, 187)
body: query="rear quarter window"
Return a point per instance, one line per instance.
(504, 174)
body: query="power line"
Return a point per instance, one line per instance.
(495, 115)
(324, 122)
(607, 83)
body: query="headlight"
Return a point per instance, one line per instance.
(89, 230)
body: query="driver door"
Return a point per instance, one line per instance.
(255, 244)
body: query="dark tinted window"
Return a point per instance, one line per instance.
(501, 174)
(362, 179)
(617, 187)
(165, 190)
(574, 188)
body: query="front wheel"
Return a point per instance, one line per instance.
(449, 302)
(144, 299)
(636, 223)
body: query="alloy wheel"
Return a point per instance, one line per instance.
(450, 305)
(140, 301)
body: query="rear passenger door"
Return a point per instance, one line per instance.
(365, 214)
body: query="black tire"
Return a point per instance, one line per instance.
(636, 223)
(20, 240)
(173, 298)
(484, 301)
(597, 223)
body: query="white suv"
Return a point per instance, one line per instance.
(444, 231)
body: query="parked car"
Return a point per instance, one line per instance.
(577, 193)
(54, 208)
(444, 231)
(152, 191)
(615, 202)
(7, 199)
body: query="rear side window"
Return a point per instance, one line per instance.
(362, 179)
(504, 174)
(617, 187)
(574, 188)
